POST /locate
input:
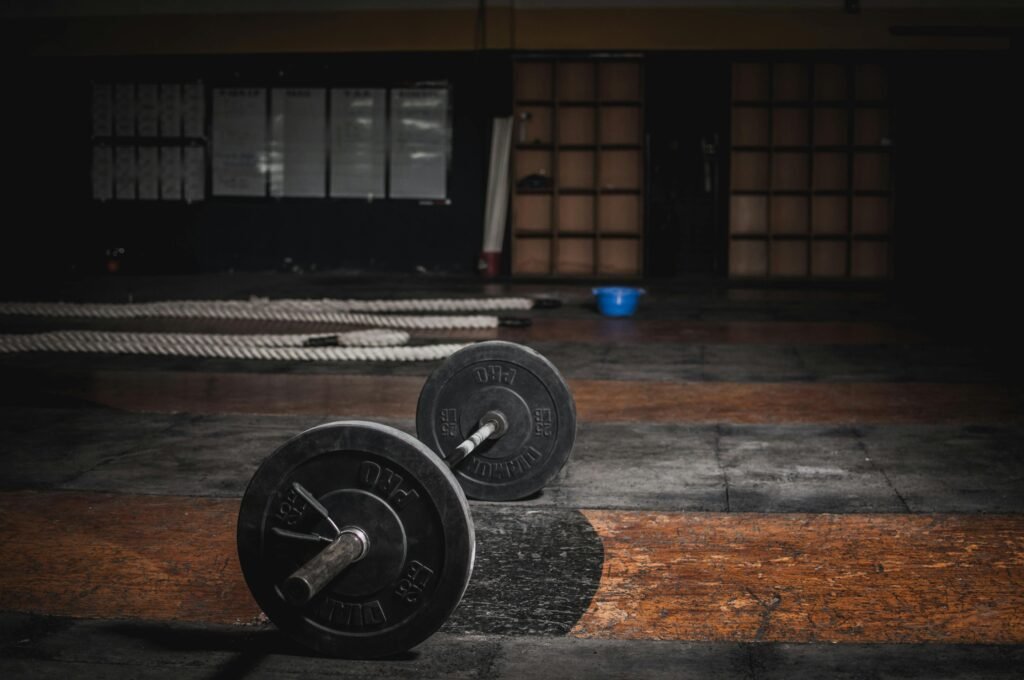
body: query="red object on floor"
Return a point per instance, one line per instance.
(490, 264)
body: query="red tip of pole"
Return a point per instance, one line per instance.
(490, 264)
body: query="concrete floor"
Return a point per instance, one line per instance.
(940, 459)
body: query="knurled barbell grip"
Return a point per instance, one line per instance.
(309, 579)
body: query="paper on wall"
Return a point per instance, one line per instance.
(124, 173)
(170, 173)
(148, 171)
(170, 110)
(124, 109)
(193, 109)
(358, 143)
(239, 144)
(147, 104)
(419, 143)
(297, 157)
(194, 173)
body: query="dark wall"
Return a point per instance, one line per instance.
(957, 154)
(958, 178)
(65, 230)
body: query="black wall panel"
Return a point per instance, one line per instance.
(48, 160)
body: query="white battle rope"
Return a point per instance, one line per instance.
(369, 338)
(378, 345)
(348, 312)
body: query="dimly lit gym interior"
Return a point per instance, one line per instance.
(508, 339)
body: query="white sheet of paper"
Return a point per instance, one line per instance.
(193, 109)
(298, 154)
(358, 143)
(102, 110)
(170, 173)
(102, 172)
(239, 144)
(419, 143)
(195, 173)
(170, 110)
(148, 171)
(124, 173)
(147, 109)
(124, 109)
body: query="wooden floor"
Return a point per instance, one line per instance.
(757, 477)
(684, 576)
(808, 578)
(596, 400)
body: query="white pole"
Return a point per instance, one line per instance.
(496, 207)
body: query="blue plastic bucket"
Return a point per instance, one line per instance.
(616, 301)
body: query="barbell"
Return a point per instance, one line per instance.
(356, 539)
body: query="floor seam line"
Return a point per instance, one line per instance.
(881, 470)
(721, 467)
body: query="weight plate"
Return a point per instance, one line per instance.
(528, 390)
(421, 539)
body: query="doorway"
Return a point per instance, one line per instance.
(688, 128)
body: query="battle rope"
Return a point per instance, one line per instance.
(378, 345)
(348, 312)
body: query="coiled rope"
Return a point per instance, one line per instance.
(345, 312)
(374, 345)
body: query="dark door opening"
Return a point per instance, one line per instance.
(688, 126)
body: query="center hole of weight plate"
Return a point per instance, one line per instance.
(383, 561)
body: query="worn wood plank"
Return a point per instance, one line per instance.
(767, 403)
(713, 332)
(215, 392)
(91, 555)
(809, 578)
(392, 396)
(678, 576)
